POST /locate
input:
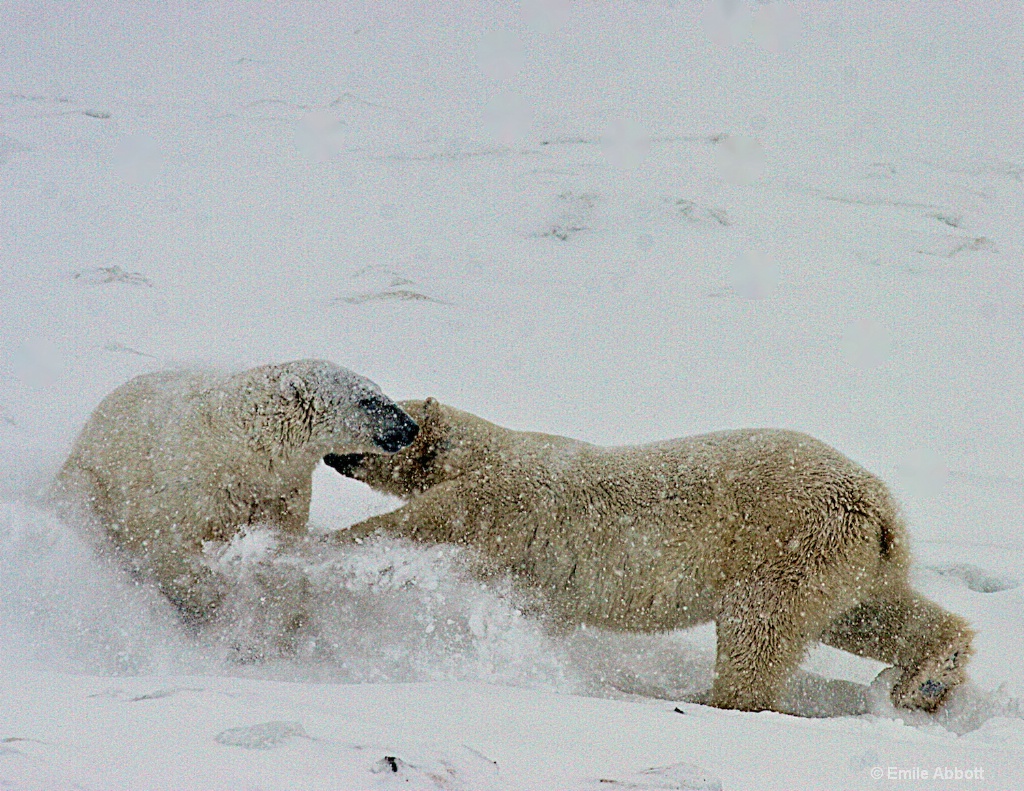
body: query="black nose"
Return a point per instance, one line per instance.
(400, 433)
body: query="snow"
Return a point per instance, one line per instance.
(617, 222)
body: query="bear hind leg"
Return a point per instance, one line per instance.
(929, 645)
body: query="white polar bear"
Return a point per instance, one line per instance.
(773, 535)
(171, 460)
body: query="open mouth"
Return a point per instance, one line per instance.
(344, 463)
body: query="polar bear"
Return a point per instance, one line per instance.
(171, 460)
(773, 535)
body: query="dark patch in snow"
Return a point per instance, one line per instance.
(880, 170)
(6, 749)
(40, 98)
(113, 692)
(62, 100)
(155, 695)
(389, 295)
(574, 215)
(394, 291)
(111, 274)
(264, 736)
(948, 218)
(397, 278)
(562, 232)
(571, 141)
(350, 98)
(700, 214)
(717, 137)
(117, 347)
(951, 246)
(977, 579)
(117, 693)
(673, 776)
(1014, 171)
(456, 155)
(430, 768)
(1001, 168)
(871, 200)
(278, 102)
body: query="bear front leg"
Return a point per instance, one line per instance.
(194, 590)
(929, 645)
(428, 518)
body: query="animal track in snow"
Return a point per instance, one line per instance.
(951, 245)
(102, 275)
(700, 214)
(263, 736)
(394, 291)
(674, 776)
(427, 768)
(574, 216)
(948, 218)
(73, 108)
(389, 295)
(976, 578)
(118, 347)
(880, 170)
(163, 692)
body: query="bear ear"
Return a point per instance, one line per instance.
(434, 426)
(292, 387)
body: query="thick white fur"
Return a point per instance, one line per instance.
(773, 535)
(171, 460)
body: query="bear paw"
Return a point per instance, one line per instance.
(928, 686)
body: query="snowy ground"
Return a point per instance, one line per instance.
(619, 222)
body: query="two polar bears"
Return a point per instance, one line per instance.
(773, 535)
(171, 460)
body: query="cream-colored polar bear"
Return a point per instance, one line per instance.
(773, 535)
(171, 460)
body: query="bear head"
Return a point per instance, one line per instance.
(317, 405)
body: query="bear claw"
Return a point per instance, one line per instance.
(930, 685)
